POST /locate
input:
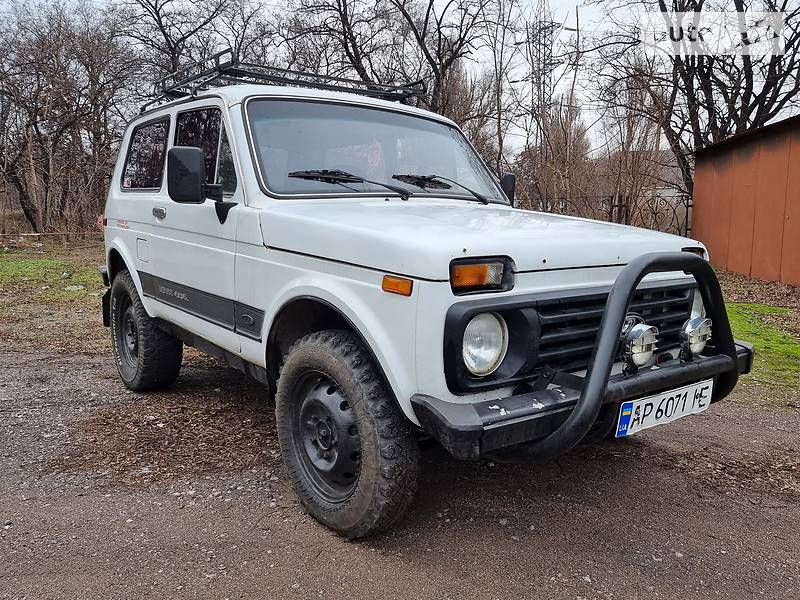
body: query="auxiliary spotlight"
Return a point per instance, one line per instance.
(638, 345)
(695, 333)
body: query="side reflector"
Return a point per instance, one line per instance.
(397, 285)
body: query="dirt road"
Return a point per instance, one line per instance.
(104, 493)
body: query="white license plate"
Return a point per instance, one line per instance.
(636, 415)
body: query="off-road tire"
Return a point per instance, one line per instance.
(158, 355)
(389, 455)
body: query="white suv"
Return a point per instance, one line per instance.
(356, 256)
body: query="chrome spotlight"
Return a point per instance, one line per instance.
(695, 333)
(638, 345)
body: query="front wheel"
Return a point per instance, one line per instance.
(350, 452)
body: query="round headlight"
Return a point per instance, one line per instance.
(639, 344)
(695, 335)
(485, 343)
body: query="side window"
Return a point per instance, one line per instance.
(144, 165)
(200, 128)
(226, 174)
(203, 129)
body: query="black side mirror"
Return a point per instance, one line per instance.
(509, 185)
(186, 180)
(186, 174)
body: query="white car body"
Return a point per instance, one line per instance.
(336, 249)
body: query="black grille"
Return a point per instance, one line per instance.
(569, 325)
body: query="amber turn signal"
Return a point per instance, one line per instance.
(397, 285)
(476, 275)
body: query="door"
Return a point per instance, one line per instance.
(138, 189)
(192, 254)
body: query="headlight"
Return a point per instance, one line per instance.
(639, 344)
(695, 334)
(485, 343)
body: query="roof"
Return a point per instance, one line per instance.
(238, 93)
(749, 136)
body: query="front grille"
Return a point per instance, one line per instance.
(569, 325)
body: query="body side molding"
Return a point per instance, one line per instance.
(224, 312)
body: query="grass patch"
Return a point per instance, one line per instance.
(777, 358)
(47, 279)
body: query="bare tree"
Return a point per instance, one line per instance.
(356, 34)
(62, 68)
(445, 34)
(562, 179)
(165, 29)
(501, 23)
(248, 27)
(700, 100)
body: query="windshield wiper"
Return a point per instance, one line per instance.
(336, 176)
(437, 182)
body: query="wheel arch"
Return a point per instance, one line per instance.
(115, 264)
(119, 259)
(317, 315)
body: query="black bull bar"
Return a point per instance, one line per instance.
(553, 421)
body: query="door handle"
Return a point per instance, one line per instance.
(159, 212)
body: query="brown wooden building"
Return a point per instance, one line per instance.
(747, 202)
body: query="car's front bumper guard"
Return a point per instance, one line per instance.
(470, 430)
(555, 419)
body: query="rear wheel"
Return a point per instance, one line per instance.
(147, 358)
(350, 452)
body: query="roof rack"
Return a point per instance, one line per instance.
(224, 68)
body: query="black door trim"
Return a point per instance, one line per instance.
(224, 312)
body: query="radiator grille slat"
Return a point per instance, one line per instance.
(569, 325)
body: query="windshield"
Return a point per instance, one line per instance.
(290, 136)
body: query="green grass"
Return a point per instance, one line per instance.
(42, 277)
(777, 359)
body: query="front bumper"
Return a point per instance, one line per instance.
(562, 408)
(471, 430)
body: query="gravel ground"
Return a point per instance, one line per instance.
(105, 493)
(182, 494)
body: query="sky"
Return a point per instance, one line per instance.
(564, 11)
(570, 13)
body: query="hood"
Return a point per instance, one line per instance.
(419, 238)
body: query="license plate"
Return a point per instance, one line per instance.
(636, 415)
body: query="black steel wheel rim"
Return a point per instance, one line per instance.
(128, 333)
(326, 437)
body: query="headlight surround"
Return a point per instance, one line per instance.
(471, 275)
(485, 343)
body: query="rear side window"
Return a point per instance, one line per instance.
(144, 165)
(203, 129)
